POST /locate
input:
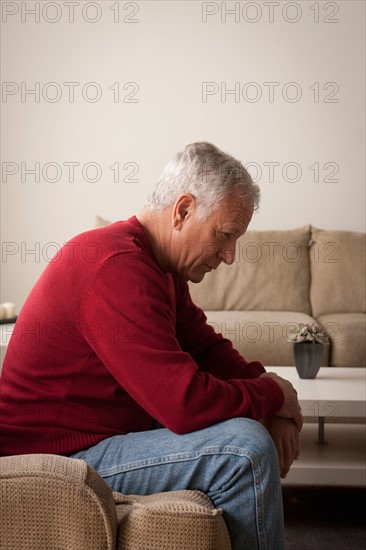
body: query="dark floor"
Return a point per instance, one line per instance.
(324, 518)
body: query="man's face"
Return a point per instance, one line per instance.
(203, 244)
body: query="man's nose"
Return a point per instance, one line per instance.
(227, 254)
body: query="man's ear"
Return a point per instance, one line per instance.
(183, 208)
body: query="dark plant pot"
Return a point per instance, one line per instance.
(308, 358)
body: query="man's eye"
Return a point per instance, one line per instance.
(227, 235)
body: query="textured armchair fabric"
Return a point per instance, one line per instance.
(53, 502)
(176, 520)
(50, 502)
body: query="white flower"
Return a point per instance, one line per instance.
(308, 333)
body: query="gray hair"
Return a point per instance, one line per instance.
(208, 174)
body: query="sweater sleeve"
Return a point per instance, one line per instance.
(128, 318)
(212, 352)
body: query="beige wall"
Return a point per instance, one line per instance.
(174, 64)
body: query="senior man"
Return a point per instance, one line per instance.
(109, 341)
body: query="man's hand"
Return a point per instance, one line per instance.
(286, 438)
(290, 407)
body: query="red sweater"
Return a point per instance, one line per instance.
(107, 341)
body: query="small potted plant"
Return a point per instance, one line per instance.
(308, 340)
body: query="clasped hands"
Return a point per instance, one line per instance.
(286, 425)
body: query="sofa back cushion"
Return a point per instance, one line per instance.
(271, 272)
(338, 282)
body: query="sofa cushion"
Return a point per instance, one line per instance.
(100, 222)
(270, 272)
(338, 282)
(347, 332)
(174, 520)
(50, 501)
(261, 335)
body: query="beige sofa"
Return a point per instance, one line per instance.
(284, 277)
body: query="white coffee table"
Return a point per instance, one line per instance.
(330, 453)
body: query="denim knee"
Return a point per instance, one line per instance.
(249, 434)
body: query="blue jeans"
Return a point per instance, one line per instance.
(234, 462)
